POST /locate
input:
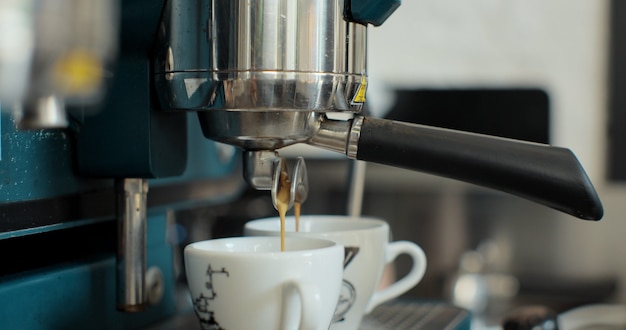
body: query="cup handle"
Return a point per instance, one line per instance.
(305, 297)
(399, 287)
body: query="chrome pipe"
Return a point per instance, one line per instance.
(131, 253)
(356, 188)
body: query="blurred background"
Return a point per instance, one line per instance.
(550, 72)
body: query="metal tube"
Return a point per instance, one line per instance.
(332, 135)
(272, 55)
(356, 188)
(131, 253)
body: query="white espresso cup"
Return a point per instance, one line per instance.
(367, 252)
(248, 283)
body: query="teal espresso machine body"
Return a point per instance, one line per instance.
(89, 180)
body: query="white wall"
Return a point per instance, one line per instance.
(559, 45)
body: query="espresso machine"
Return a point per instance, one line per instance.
(117, 113)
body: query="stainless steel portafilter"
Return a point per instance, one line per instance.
(263, 75)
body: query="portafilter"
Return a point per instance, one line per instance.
(262, 75)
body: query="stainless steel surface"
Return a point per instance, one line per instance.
(300, 182)
(352, 147)
(356, 188)
(281, 166)
(260, 73)
(131, 255)
(262, 56)
(393, 315)
(259, 167)
(331, 135)
(262, 170)
(409, 315)
(259, 130)
(297, 179)
(260, 133)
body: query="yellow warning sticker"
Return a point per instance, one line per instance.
(360, 93)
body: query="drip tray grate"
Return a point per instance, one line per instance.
(409, 315)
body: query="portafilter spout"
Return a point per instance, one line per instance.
(263, 170)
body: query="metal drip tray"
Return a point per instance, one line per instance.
(411, 314)
(394, 315)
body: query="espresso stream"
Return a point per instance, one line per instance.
(296, 209)
(282, 204)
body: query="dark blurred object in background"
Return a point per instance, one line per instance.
(515, 113)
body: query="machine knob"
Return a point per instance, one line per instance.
(373, 12)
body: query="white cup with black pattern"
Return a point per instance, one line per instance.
(367, 252)
(248, 283)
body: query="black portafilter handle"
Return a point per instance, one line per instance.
(545, 174)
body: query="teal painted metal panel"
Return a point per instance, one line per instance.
(38, 164)
(82, 295)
